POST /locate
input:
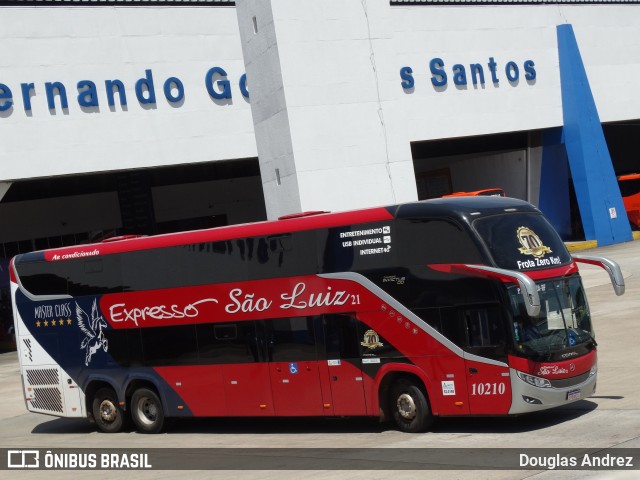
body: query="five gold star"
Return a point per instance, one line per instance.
(54, 322)
(61, 322)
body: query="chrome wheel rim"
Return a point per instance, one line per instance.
(148, 410)
(406, 406)
(108, 411)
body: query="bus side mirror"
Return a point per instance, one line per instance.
(612, 268)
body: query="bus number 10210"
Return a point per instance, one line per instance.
(488, 388)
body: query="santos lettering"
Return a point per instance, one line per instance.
(476, 73)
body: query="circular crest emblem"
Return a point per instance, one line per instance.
(531, 243)
(371, 340)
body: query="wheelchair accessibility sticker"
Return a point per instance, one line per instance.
(293, 368)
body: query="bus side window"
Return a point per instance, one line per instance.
(229, 343)
(483, 327)
(341, 339)
(175, 345)
(228, 331)
(431, 316)
(282, 255)
(291, 339)
(424, 240)
(451, 325)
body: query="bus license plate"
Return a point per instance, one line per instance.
(573, 395)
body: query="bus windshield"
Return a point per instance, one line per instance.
(522, 241)
(564, 320)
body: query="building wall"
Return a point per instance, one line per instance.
(351, 121)
(330, 111)
(607, 37)
(74, 44)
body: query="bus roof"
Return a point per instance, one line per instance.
(463, 209)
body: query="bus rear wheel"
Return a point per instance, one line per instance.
(409, 407)
(146, 411)
(107, 414)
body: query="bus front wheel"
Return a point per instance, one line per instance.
(146, 411)
(410, 407)
(107, 414)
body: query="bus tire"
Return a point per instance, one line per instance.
(410, 407)
(108, 416)
(146, 411)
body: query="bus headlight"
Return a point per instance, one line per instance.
(535, 381)
(593, 370)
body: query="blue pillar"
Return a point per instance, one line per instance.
(554, 183)
(594, 180)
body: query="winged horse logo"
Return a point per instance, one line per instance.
(92, 328)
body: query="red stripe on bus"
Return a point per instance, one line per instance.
(555, 370)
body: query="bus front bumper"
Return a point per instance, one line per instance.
(528, 398)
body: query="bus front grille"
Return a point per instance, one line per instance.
(569, 382)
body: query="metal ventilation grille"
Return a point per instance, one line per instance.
(27, 344)
(47, 399)
(47, 376)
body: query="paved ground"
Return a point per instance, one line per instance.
(609, 419)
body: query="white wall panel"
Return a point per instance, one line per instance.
(338, 93)
(72, 44)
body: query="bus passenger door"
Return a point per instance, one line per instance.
(245, 372)
(488, 382)
(343, 366)
(293, 367)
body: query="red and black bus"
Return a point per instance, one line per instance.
(446, 307)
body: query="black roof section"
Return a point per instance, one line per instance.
(469, 208)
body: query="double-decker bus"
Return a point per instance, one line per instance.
(446, 307)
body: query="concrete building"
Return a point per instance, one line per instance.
(127, 117)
